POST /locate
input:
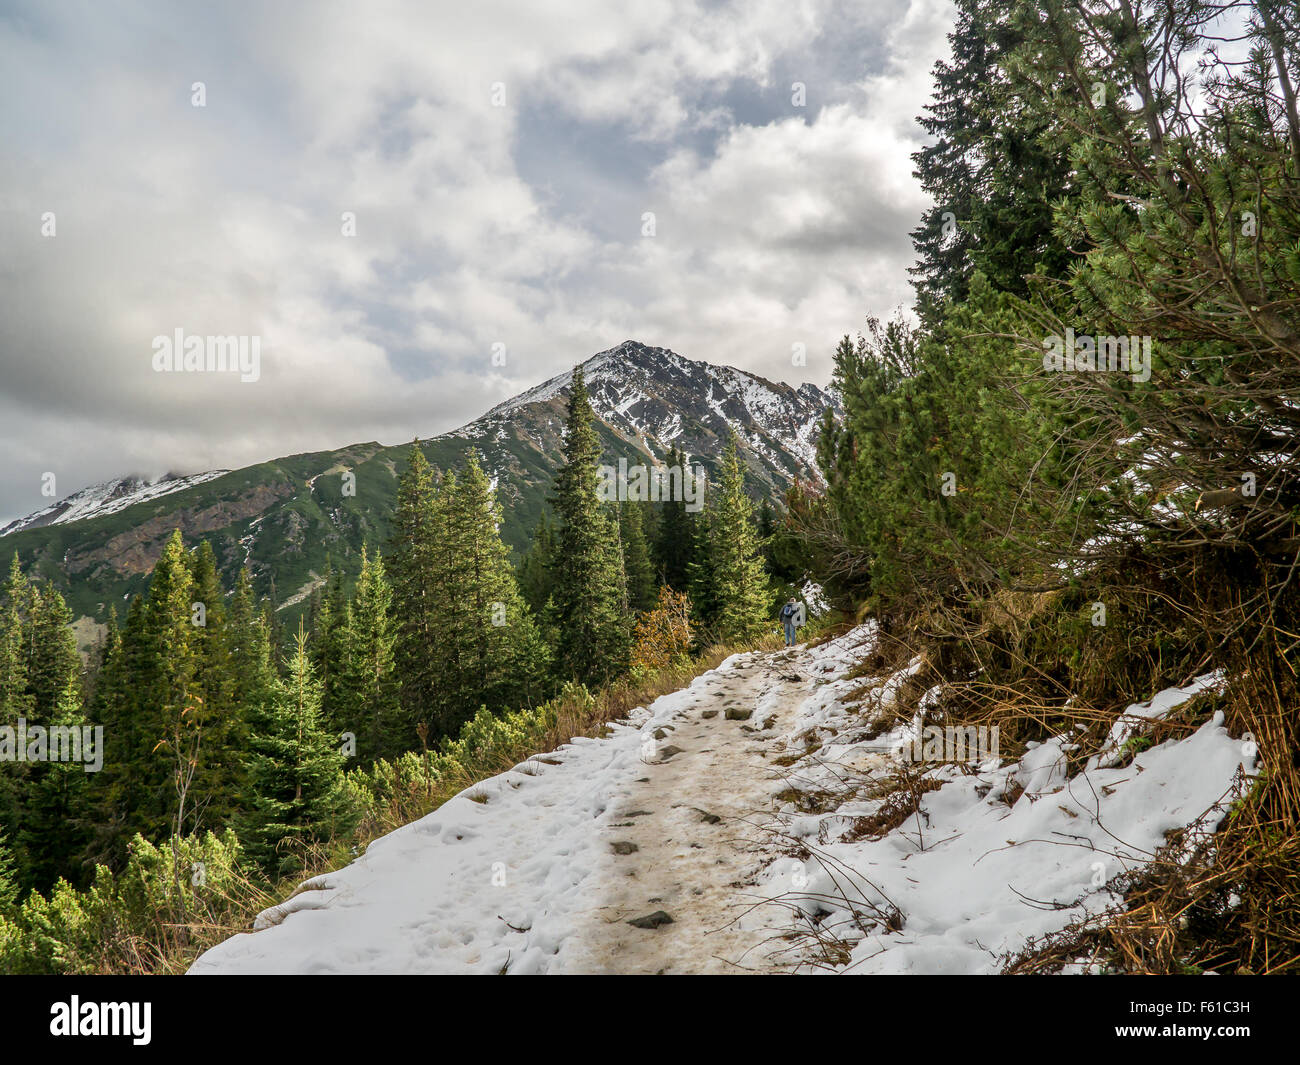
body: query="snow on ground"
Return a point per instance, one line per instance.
(476, 886)
(694, 810)
(968, 879)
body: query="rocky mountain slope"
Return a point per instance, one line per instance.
(107, 498)
(284, 518)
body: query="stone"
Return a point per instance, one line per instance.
(651, 920)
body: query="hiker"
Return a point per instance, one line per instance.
(791, 617)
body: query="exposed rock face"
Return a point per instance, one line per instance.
(137, 549)
(654, 399)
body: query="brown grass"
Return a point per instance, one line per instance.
(903, 802)
(1033, 665)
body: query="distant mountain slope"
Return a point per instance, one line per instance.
(284, 518)
(107, 498)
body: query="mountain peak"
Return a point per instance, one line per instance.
(657, 399)
(633, 354)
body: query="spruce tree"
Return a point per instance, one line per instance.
(700, 574)
(315, 603)
(216, 783)
(17, 589)
(118, 790)
(17, 606)
(274, 629)
(172, 645)
(590, 588)
(368, 699)
(331, 650)
(776, 555)
(15, 699)
(104, 708)
(537, 569)
(41, 806)
(55, 828)
(417, 605)
(642, 588)
(250, 654)
(450, 618)
(675, 534)
(990, 168)
(649, 514)
(491, 653)
(9, 893)
(53, 661)
(295, 787)
(151, 684)
(15, 610)
(738, 581)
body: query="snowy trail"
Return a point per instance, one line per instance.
(751, 832)
(519, 874)
(696, 820)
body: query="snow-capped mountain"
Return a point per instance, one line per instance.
(287, 519)
(657, 399)
(107, 498)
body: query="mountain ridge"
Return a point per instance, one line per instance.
(287, 517)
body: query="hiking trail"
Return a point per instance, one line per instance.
(696, 818)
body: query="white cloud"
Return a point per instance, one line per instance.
(789, 227)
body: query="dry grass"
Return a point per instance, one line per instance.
(1033, 666)
(1227, 902)
(902, 802)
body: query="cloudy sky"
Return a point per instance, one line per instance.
(499, 160)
